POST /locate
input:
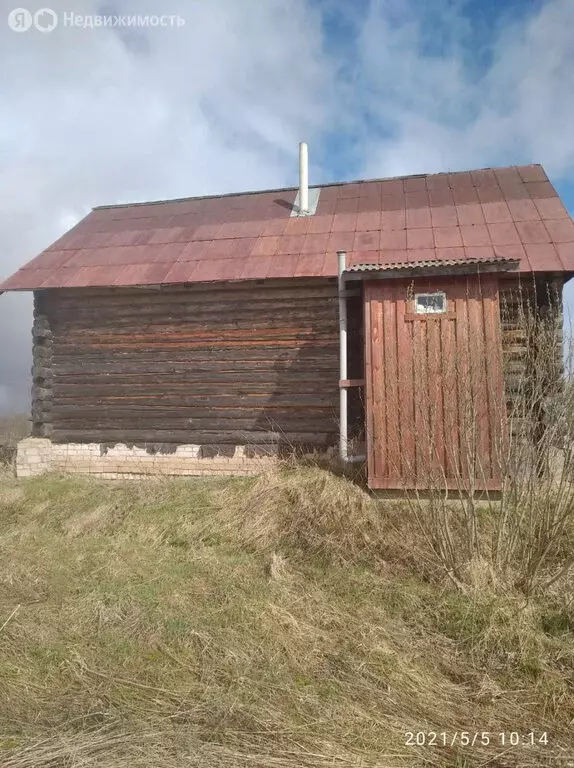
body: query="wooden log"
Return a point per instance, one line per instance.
(255, 423)
(200, 315)
(293, 400)
(62, 435)
(72, 359)
(157, 389)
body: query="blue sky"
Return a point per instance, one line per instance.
(470, 32)
(218, 104)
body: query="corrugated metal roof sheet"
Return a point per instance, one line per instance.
(508, 213)
(387, 266)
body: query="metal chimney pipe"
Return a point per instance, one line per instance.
(343, 428)
(303, 178)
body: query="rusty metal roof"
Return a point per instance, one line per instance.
(506, 213)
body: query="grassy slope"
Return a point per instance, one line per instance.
(289, 621)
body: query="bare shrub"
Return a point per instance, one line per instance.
(523, 529)
(12, 430)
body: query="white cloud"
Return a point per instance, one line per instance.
(444, 112)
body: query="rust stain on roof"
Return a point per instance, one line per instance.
(511, 213)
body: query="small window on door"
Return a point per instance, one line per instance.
(430, 303)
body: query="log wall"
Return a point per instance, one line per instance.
(524, 303)
(250, 363)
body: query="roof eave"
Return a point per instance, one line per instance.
(372, 273)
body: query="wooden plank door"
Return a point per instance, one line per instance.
(435, 411)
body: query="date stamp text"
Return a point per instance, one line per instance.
(476, 738)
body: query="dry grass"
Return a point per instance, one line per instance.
(12, 430)
(286, 621)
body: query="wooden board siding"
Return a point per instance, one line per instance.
(435, 405)
(228, 364)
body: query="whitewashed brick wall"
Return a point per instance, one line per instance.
(38, 455)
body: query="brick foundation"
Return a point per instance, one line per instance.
(38, 455)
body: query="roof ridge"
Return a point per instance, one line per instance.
(311, 186)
